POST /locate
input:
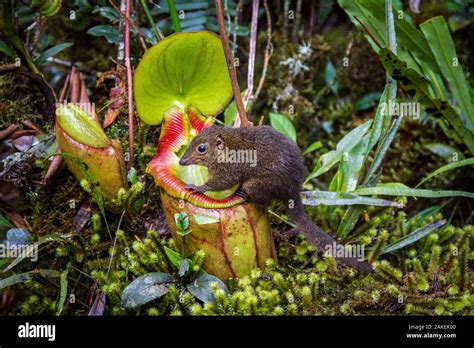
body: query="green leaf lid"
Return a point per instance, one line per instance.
(185, 69)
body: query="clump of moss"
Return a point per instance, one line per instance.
(20, 99)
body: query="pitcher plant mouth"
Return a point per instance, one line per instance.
(179, 127)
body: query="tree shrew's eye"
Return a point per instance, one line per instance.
(202, 148)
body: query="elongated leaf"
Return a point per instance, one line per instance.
(173, 256)
(382, 150)
(446, 168)
(397, 189)
(439, 39)
(282, 124)
(414, 236)
(367, 101)
(201, 287)
(418, 88)
(376, 129)
(348, 142)
(356, 157)
(313, 147)
(409, 39)
(315, 198)
(50, 52)
(109, 32)
(146, 288)
(15, 279)
(63, 291)
(42, 240)
(7, 50)
(445, 151)
(4, 222)
(349, 220)
(23, 277)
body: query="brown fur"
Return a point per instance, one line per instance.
(278, 174)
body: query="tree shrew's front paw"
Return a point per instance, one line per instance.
(242, 194)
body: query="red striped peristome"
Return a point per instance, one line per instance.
(176, 132)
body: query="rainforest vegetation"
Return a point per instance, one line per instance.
(99, 99)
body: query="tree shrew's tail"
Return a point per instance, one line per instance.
(321, 240)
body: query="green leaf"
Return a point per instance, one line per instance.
(439, 39)
(384, 145)
(330, 75)
(146, 288)
(23, 277)
(42, 240)
(445, 151)
(183, 267)
(397, 189)
(368, 101)
(201, 287)
(315, 198)
(50, 52)
(313, 147)
(348, 142)
(411, 42)
(349, 220)
(185, 69)
(15, 279)
(418, 88)
(109, 32)
(63, 291)
(7, 50)
(173, 256)
(4, 222)
(376, 129)
(414, 236)
(446, 168)
(230, 112)
(282, 124)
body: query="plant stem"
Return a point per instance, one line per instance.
(129, 87)
(174, 16)
(268, 50)
(150, 19)
(392, 45)
(253, 43)
(230, 66)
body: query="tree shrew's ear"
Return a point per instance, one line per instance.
(220, 142)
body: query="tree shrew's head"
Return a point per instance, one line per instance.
(205, 147)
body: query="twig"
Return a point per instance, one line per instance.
(4, 134)
(368, 32)
(252, 48)
(128, 66)
(299, 3)
(116, 232)
(238, 9)
(128, 21)
(268, 50)
(230, 66)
